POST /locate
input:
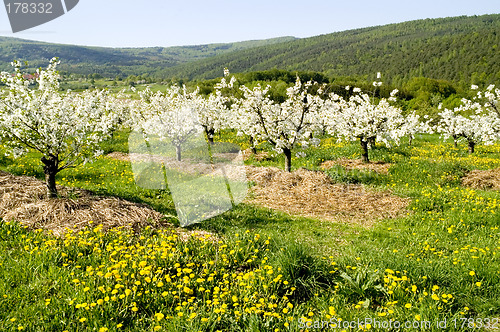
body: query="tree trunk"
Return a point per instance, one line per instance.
(288, 159)
(51, 168)
(410, 140)
(364, 155)
(455, 141)
(210, 135)
(472, 144)
(252, 146)
(178, 152)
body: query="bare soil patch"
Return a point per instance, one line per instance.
(23, 199)
(483, 179)
(313, 194)
(119, 156)
(377, 166)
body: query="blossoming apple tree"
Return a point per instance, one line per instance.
(488, 99)
(213, 111)
(413, 125)
(65, 127)
(359, 118)
(475, 129)
(171, 116)
(476, 121)
(284, 125)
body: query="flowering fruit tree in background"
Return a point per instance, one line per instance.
(171, 116)
(360, 118)
(476, 121)
(284, 125)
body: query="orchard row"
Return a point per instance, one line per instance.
(67, 127)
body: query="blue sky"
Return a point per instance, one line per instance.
(126, 23)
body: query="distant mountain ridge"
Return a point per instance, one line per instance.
(457, 49)
(115, 61)
(462, 49)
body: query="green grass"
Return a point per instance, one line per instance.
(439, 261)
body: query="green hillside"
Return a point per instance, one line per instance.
(461, 49)
(111, 62)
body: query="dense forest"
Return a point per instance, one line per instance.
(462, 50)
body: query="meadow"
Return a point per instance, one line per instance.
(253, 268)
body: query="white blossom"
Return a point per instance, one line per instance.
(476, 121)
(171, 116)
(358, 118)
(282, 124)
(65, 127)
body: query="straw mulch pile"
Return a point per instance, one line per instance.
(23, 198)
(487, 179)
(259, 156)
(313, 194)
(377, 166)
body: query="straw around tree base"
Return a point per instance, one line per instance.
(483, 179)
(377, 166)
(313, 194)
(23, 199)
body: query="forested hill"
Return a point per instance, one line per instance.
(111, 62)
(461, 49)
